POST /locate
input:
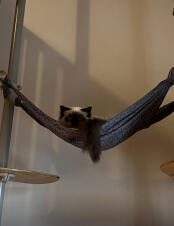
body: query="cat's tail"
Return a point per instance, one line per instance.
(94, 152)
(93, 143)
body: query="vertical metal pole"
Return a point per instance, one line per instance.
(8, 109)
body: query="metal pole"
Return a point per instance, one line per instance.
(8, 109)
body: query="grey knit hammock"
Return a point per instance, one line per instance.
(136, 117)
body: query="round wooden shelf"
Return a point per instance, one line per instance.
(168, 168)
(25, 176)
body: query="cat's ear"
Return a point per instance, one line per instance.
(62, 110)
(87, 110)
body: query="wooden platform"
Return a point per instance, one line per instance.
(29, 177)
(168, 168)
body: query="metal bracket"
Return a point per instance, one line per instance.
(5, 177)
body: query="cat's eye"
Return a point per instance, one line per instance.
(70, 117)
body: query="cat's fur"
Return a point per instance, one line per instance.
(89, 127)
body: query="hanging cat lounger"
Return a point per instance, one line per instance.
(136, 117)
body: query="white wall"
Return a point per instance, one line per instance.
(107, 53)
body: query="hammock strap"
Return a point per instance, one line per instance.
(163, 112)
(138, 116)
(67, 134)
(71, 136)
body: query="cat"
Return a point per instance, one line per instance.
(89, 127)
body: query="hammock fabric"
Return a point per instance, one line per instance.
(136, 117)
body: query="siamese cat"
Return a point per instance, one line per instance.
(89, 127)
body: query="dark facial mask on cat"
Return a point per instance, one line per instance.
(74, 116)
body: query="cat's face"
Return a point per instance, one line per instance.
(75, 116)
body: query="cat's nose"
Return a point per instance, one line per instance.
(75, 121)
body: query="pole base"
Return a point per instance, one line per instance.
(25, 176)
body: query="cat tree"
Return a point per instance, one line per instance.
(136, 117)
(7, 174)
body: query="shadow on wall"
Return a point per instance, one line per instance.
(49, 79)
(7, 10)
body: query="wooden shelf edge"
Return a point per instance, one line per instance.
(27, 176)
(168, 168)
